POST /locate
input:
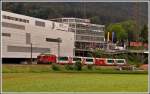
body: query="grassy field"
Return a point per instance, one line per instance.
(18, 68)
(70, 82)
(35, 78)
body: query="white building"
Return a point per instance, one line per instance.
(19, 32)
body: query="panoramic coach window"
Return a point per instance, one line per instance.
(39, 23)
(10, 25)
(6, 34)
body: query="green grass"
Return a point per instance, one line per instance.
(74, 82)
(41, 78)
(13, 68)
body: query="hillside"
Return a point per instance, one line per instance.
(101, 13)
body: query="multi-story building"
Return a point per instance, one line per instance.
(24, 37)
(88, 36)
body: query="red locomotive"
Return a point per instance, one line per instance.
(46, 58)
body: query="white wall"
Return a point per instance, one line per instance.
(38, 37)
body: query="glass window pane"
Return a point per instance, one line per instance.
(76, 59)
(63, 58)
(110, 61)
(89, 60)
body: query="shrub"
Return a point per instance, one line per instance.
(138, 65)
(69, 67)
(89, 67)
(78, 65)
(50, 63)
(55, 67)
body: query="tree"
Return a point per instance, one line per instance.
(78, 65)
(97, 53)
(129, 27)
(95, 19)
(144, 34)
(120, 33)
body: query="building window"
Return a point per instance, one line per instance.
(27, 21)
(60, 25)
(27, 49)
(64, 20)
(72, 25)
(4, 17)
(53, 25)
(6, 34)
(52, 40)
(10, 25)
(15, 19)
(39, 23)
(72, 30)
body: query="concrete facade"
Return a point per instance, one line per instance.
(19, 32)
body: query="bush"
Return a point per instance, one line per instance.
(78, 65)
(55, 67)
(69, 67)
(138, 65)
(50, 63)
(90, 67)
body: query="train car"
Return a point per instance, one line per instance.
(88, 60)
(46, 59)
(100, 61)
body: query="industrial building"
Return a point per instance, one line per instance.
(88, 36)
(25, 37)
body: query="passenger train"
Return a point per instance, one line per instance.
(46, 59)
